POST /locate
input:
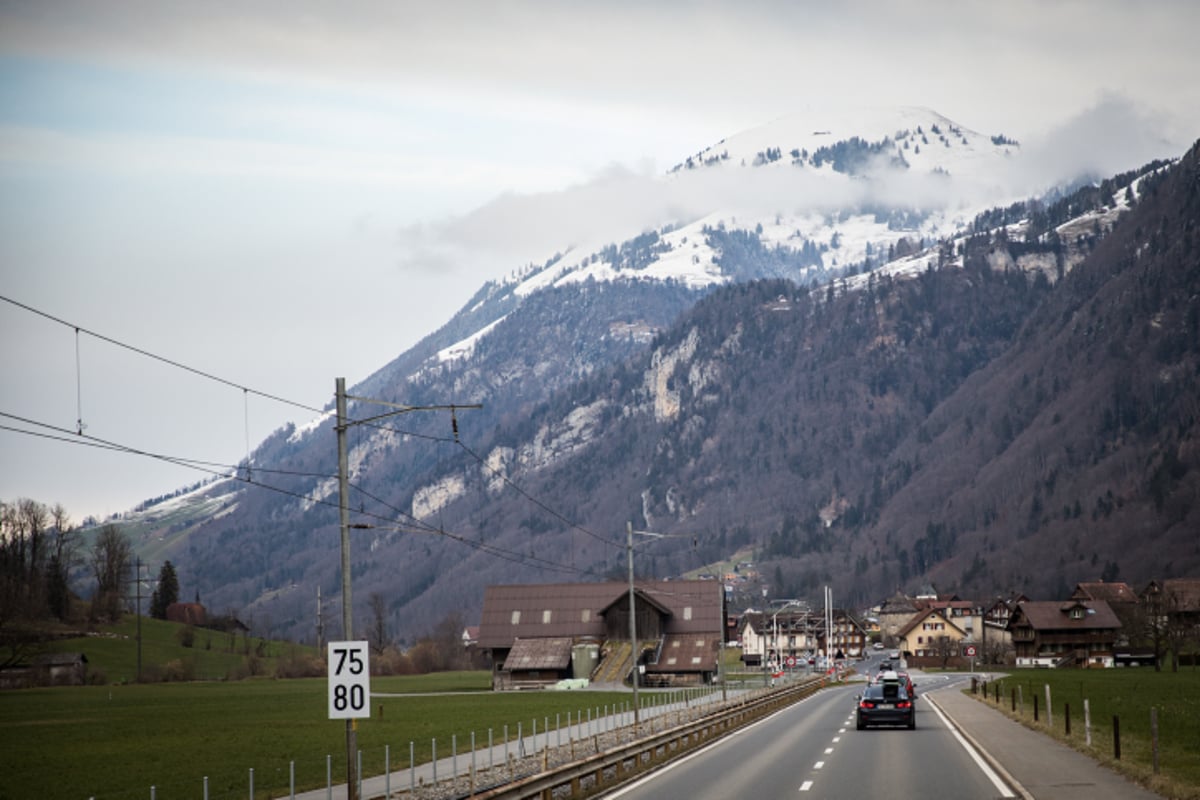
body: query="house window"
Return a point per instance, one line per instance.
(1076, 613)
(687, 612)
(516, 616)
(546, 616)
(587, 615)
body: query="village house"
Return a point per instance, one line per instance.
(932, 639)
(1121, 598)
(539, 634)
(1061, 633)
(1172, 607)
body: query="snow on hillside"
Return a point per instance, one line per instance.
(851, 183)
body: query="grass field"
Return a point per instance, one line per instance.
(112, 652)
(115, 742)
(1128, 694)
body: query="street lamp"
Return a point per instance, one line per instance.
(775, 635)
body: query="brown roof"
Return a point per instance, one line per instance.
(1182, 594)
(539, 654)
(538, 611)
(924, 615)
(1054, 615)
(1108, 591)
(689, 652)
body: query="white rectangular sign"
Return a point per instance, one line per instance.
(349, 680)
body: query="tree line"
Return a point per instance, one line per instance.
(41, 553)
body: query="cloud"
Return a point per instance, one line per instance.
(1113, 135)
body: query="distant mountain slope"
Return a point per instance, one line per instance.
(811, 416)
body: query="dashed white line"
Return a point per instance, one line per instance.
(828, 750)
(818, 765)
(804, 787)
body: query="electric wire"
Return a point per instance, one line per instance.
(225, 473)
(210, 467)
(508, 482)
(163, 359)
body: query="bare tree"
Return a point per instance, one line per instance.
(378, 636)
(64, 558)
(945, 648)
(111, 561)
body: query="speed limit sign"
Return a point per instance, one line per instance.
(969, 651)
(349, 680)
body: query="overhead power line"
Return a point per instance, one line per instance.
(230, 471)
(162, 359)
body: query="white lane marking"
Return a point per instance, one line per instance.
(828, 750)
(804, 787)
(818, 765)
(979, 762)
(703, 749)
(837, 739)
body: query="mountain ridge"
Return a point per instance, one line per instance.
(613, 442)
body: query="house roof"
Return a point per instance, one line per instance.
(1108, 591)
(530, 654)
(531, 611)
(60, 659)
(897, 604)
(1054, 615)
(924, 615)
(1181, 594)
(687, 652)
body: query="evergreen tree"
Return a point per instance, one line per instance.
(166, 593)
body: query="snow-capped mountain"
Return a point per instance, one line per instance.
(717, 373)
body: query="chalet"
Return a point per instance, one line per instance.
(1064, 633)
(539, 634)
(799, 635)
(1121, 598)
(848, 635)
(966, 614)
(932, 639)
(1173, 607)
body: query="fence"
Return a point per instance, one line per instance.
(495, 758)
(1132, 720)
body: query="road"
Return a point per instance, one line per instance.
(813, 750)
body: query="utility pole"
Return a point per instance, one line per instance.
(347, 605)
(632, 622)
(343, 423)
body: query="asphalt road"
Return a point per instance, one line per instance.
(812, 750)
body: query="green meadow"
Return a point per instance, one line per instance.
(1129, 695)
(118, 741)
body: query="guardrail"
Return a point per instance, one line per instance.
(610, 769)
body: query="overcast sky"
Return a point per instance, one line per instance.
(282, 193)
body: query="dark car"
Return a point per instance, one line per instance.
(902, 678)
(886, 704)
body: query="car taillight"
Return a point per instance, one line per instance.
(904, 704)
(866, 704)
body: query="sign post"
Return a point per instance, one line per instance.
(969, 651)
(349, 680)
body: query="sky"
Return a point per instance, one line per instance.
(278, 194)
